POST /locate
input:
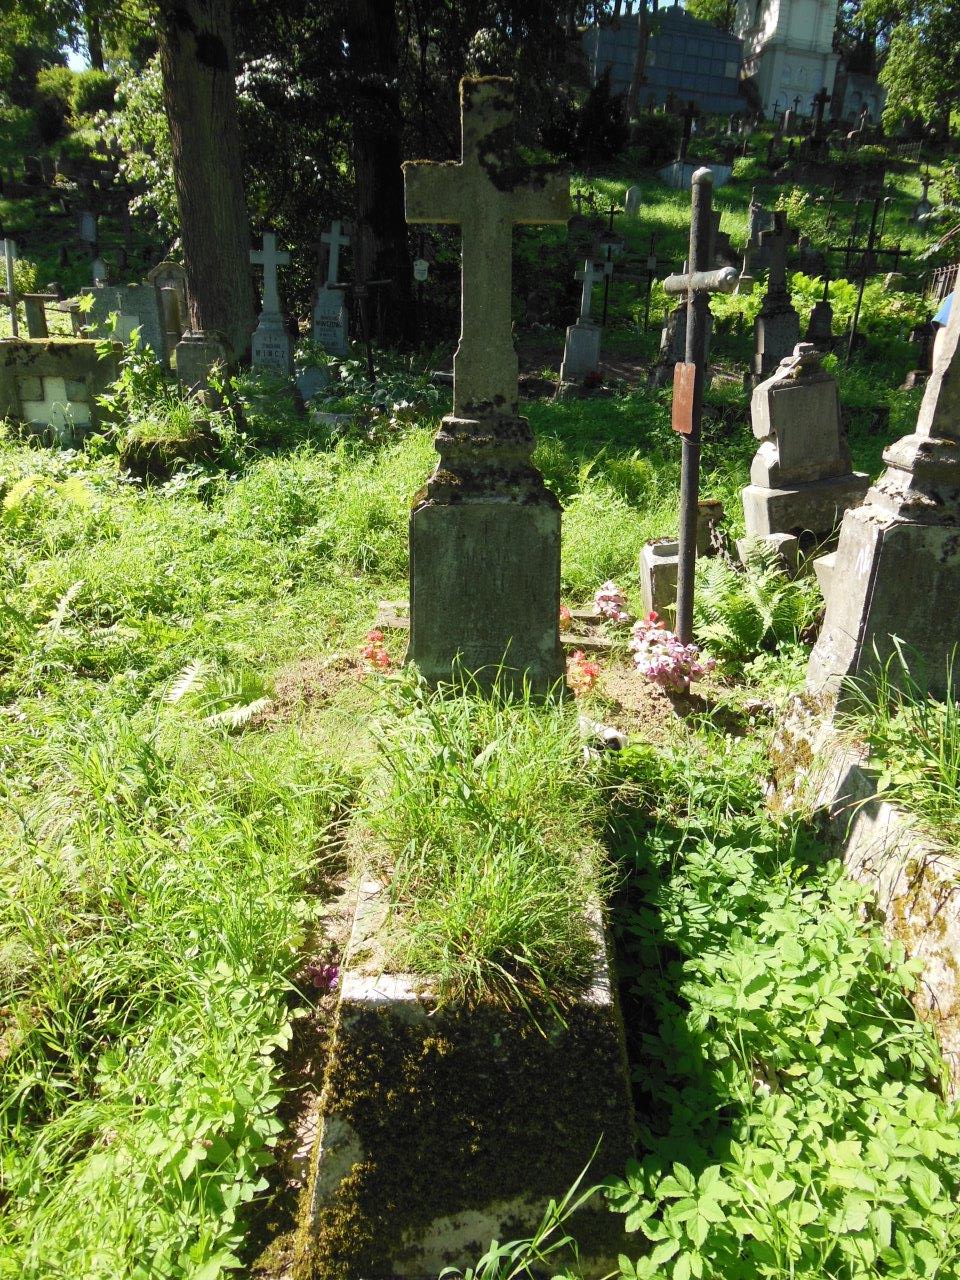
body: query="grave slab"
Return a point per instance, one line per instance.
(51, 385)
(137, 307)
(441, 1128)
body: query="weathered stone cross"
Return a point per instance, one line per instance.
(335, 239)
(270, 257)
(486, 194)
(776, 241)
(590, 274)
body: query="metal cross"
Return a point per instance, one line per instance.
(698, 283)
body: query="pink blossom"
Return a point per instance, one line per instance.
(660, 656)
(373, 652)
(582, 674)
(611, 603)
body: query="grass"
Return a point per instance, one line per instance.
(914, 738)
(488, 820)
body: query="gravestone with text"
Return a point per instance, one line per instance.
(896, 571)
(270, 347)
(136, 307)
(801, 477)
(330, 308)
(485, 530)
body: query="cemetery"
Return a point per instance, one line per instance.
(479, 635)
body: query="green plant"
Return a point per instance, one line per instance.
(740, 610)
(488, 825)
(915, 739)
(93, 91)
(53, 102)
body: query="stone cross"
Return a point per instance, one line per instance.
(820, 100)
(270, 257)
(590, 274)
(335, 239)
(775, 241)
(486, 194)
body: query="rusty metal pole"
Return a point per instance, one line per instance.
(698, 283)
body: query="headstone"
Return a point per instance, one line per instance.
(330, 319)
(137, 307)
(88, 226)
(673, 344)
(196, 355)
(270, 347)
(98, 271)
(820, 327)
(631, 201)
(485, 531)
(36, 316)
(923, 207)
(746, 281)
(174, 322)
(581, 350)
(171, 275)
(897, 570)
(777, 326)
(32, 171)
(801, 478)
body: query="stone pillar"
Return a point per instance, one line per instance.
(897, 568)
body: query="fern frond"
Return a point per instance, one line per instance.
(234, 718)
(63, 605)
(191, 679)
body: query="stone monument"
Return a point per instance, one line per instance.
(777, 327)
(897, 568)
(271, 347)
(581, 350)
(485, 530)
(801, 477)
(136, 306)
(631, 201)
(330, 307)
(820, 327)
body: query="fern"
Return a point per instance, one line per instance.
(220, 699)
(741, 610)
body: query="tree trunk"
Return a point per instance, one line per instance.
(199, 91)
(640, 61)
(91, 29)
(380, 236)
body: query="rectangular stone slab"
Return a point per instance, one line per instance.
(441, 1129)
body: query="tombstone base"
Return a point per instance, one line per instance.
(776, 333)
(485, 590)
(900, 579)
(270, 346)
(581, 352)
(814, 507)
(786, 545)
(659, 567)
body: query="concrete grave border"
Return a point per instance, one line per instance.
(439, 1129)
(72, 359)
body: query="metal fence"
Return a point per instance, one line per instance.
(943, 281)
(909, 150)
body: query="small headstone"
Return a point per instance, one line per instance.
(632, 200)
(777, 327)
(421, 269)
(174, 322)
(98, 271)
(330, 319)
(137, 307)
(196, 355)
(801, 478)
(88, 226)
(171, 275)
(581, 350)
(820, 328)
(271, 347)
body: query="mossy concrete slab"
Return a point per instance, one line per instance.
(442, 1128)
(51, 385)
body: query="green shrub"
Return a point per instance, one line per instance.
(93, 91)
(654, 139)
(53, 102)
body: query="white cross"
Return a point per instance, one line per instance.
(55, 410)
(589, 275)
(270, 257)
(334, 238)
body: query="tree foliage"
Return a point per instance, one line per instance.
(922, 69)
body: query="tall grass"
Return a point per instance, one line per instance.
(151, 906)
(915, 738)
(488, 821)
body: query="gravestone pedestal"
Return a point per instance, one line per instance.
(499, 516)
(897, 568)
(820, 329)
(195, 356)
(270, 347)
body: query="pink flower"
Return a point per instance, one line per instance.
(322, 975)
(659, 656)
(611, 603)
(566, 617)
(582, 674)
(373, 652)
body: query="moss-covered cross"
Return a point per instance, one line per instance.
(486, 194)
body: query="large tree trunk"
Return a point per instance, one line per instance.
(196, 59)
(380, 245)
(91, 29)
